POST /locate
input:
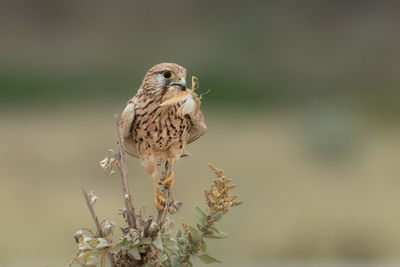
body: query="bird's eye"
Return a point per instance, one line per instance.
(168, 75)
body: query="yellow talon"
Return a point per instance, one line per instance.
(169, 180)
(159, 199)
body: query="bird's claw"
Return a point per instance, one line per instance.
(169, 181)
(159, 200)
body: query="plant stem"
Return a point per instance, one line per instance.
(92, 212)
(130, 210)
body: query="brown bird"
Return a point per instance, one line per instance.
(160, 120)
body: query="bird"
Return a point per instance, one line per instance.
(160, 120)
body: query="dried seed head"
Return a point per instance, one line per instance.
(78, 235)
(167, 226)
(134, 233)
(153, 227)
(218, 197)
(108, 227)
(187, 233)
(109, 162)
(84, 243)
(175, 207)
(92, 197)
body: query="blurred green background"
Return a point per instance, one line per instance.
(303, 114)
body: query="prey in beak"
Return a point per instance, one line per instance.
(182, 95)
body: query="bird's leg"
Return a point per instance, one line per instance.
(150, 165)
(159, 199)
(168, 181)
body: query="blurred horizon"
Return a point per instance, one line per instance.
(264, 54)
(303, 114)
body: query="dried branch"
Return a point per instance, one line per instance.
(73, 259)
(130, 210)
(111, 258)
(103, 259)
(146, 226)
(166, 192)
(167, 205)
(98, 226)
(91, 209)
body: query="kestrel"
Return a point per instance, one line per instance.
(160, 120)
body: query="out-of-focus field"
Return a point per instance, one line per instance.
(316, 189)
(303, 114)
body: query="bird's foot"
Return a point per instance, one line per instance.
(168, 182)
(159, 200)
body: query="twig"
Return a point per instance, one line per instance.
(111, 257)
(130, 210)
(96, 222)
(146, 226)
(73, 259)
(94, 216)
(163, 214)
(103, 259)
(167, 204)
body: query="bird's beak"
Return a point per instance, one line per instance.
(181, 82)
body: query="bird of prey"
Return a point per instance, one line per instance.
(160, 120)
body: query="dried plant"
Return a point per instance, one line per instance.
(145, 242)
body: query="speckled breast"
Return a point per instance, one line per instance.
(161, 127)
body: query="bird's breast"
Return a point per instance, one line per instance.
(158, 128)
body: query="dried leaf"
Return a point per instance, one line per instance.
(175, 207)
(84, 243)
(108, 226)
(109, 162)
(102, 243)
(91, 260)
(78, 235)
(92, 197)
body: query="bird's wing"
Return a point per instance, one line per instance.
(127, 118)
(198, 128)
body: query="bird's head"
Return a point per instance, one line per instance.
(167, 80)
